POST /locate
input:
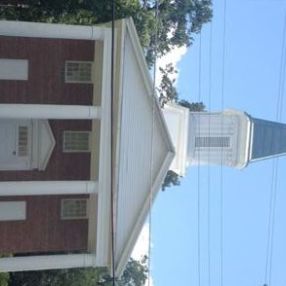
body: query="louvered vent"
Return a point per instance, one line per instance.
(76, 141)
(74, 208)
(215, 141)
(23, 141)
(78, 72)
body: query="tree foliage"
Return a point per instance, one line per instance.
(4, 279)
(171, 179)
(177, 21)
(135, 273)
(192, 106)
(167, 90)
(62, 277)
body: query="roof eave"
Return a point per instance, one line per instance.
(127, 26)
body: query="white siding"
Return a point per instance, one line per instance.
(12, 69)
(12, 211)
(136, 150)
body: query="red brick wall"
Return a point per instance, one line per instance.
(61, 166)
(46, 71)
(43, 230)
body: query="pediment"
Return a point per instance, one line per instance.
(46, 144)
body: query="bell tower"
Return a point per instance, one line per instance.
(232, 138)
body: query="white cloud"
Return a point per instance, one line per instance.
(174, 57)
(142, 248)
(142, 245)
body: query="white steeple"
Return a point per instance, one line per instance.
(219, 138)
(231, 138)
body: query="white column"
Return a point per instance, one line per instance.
(32, 188)
(45, 262)
(55, 31)
(49, 111)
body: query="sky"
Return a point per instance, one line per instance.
(253, 47)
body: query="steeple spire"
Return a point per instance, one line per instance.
(268, 139)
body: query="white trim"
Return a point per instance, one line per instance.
(33, 188)
(142, 213)
(180, 137)
(138, 51)
(245, 129)
(124, 256)
(46, 30)
(249, 140)
(45, 262)
(44, 132)
(49, 111)
(104, 183)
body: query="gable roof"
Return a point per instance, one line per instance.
(144, 147)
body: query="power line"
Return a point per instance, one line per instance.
(111, 142)
(222, 154)
(199, 169)
(152, 137)
(209, 172)
(274, 177)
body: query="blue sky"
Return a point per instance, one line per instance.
(252, 62)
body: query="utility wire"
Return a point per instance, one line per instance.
(209, 172)
(111, 142)
(199, 168)
(153, 96)
(274, 177)
(222, 153)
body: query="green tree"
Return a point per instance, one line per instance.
(167, 90)
(4, 279)
(171, 179)
(178, 20)
(70, 277)
(193, 106)
(135, 273)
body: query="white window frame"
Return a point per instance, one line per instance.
(67, 80)
(76, 150)
(64, 217)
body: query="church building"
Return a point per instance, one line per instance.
(58, 168)
(56, 175)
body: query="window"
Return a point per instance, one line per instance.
(74, 208)
(216, 141)
(23, 141)
(76, 141)
(13, 69)
(78, 72)
(12, 210)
